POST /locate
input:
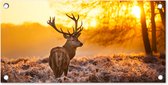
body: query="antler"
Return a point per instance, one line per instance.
(51, 22)
(77, 29)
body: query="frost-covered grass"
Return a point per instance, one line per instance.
(115, 68)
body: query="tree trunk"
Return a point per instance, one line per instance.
(145, 31)
(163, 17)
(154, 46)
(162, 11)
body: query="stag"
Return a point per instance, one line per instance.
(60, 57)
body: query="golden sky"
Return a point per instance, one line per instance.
(20, 11)
(39, 11)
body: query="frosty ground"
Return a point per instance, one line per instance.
(114, 68)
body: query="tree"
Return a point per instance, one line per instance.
(154, 46)
(162, 11)
(145, 31)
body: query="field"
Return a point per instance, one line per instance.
(114, 68)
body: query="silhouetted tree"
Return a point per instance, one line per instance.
(154, 46)
(144, 30)
(162, 11)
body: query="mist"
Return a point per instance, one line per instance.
(33, 39)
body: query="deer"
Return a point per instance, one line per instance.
(60, 57)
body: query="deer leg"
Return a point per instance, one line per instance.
(66, 72)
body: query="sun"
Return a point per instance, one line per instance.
(93, 23)
(136, 11)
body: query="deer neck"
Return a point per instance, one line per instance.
(70, 49)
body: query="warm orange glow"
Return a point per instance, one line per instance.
(106, 24)
(93, 23)
(92, 13)
(136, 11)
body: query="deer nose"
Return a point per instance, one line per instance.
(81, 44)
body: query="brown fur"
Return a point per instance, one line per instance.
(60, 56)
(59, 61)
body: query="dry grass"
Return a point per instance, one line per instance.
(115, 68)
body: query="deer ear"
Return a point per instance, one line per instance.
(77, 35)
(66, 36)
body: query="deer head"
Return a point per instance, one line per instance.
(72, 38)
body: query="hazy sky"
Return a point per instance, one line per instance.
(39, 11)
(34, 39)
(21, 11)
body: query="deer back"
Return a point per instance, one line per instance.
(59, 61)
